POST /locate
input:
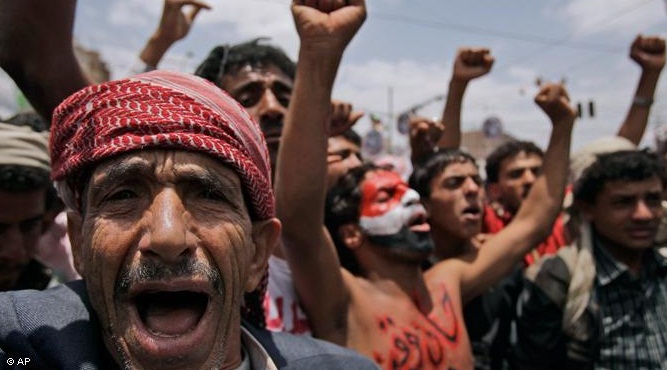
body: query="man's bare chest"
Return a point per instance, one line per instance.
(401, 336)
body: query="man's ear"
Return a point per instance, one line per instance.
(265, 236)
(351, 235)
(74, 229)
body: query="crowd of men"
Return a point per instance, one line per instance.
(226, 219)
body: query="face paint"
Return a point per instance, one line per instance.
(388, 207)
(406, 240)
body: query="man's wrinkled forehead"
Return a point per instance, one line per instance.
(246, 72)
(165, 166)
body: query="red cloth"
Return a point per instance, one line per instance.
(494, 221)
(162, 109)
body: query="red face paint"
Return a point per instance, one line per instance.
(381, 191)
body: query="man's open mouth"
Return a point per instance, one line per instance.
(472, 212)
(169, 314)
(418, 223)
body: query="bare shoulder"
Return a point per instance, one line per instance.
(448, 271)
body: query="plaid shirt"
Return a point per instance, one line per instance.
(633, 312)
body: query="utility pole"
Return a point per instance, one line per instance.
(390, 121)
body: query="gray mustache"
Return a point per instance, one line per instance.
(150, 271)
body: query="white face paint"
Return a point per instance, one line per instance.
(395, 218)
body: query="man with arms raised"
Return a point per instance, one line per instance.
(389, 310)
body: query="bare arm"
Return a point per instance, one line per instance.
(537, 213)
(324, 29)
(175, 23)
(649, 53)
(36, 51)
(426, 134)
(469, 64)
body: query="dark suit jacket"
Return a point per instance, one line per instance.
(57, 329)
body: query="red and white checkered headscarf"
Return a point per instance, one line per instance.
(161, 109)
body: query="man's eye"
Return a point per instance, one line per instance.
(248, 100)
(624, 202)
(515, 174)
(653, 200)
(123, 194)
(30, 225)
(284, 100)
(213, 195)
(454, 182)
(383, 196)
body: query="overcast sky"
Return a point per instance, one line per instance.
(402, 55)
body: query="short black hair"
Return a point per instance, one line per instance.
(351, 136)
(508, 150)
(624, 165)
(433, 165)
(225, 59)
(23, 179)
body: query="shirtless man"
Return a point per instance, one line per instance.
(388, 310)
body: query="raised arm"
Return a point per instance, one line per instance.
(469, 64)
(36, 50)
(325, 29)
(175, 24)
(649, 53)
(535, 217)
(426, 134)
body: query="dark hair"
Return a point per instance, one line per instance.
(433, 165)
(17, 178)
(29, 119)
(624, 165)
(342, 207)
(23, 179)
(351, 136)
(508, 150)
(225, 59)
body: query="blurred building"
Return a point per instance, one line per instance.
(480, 143)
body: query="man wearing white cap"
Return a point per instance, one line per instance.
(26, 197)
(599, 303)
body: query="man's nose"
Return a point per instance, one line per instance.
(353, 161)
(167, 228)
(410, 197)
(270, 109)
(642, 211)
(12, 247)
(528, 176)
(470, 186)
